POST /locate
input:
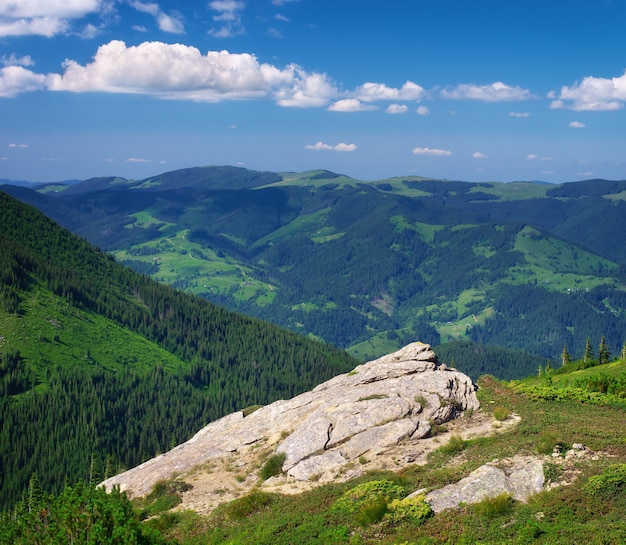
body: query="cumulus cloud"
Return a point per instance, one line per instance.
(369, 92)
(229, 17)
(519, 114)
(16, 79)
(479, 155)
(397, 109)
(338, 147)
(350, 105)
(180, 72)
(422, 110)
(495, 92)
(432, 151)
(44, 18)
(14, 60)
(166, 22)
(593, 94)
(577, 125)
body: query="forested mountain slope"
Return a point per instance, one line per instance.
(372, 266)
(101, 367)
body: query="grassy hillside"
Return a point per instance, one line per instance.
(589, 509)
(584, 500)
(99, 364)
(372, 266)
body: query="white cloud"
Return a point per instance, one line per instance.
(39, 26)
(170, 24)
(495, 92)
(139, 28)
(280, 17)
(149, 8)
(14, 60)
(479, 155)
(577, 125)
(339, 147)
(533, 157)
(16, 79)
(166, 22)
(319, 146)
(137, 160)
(13, 145)
(299, 89)
(422, 110)
(593, 94)
(397, 109)
(350, 105)
(369, 92)
(229, 16)
(44, 17)
(69, 9)
(180, 72)
(345, 147)
(519, 114)
(432, 151)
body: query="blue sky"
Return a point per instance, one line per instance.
(493, 90)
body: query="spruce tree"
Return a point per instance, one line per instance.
(604, 354)
(588, 352)
(565, 357)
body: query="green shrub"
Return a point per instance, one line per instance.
(610, 483)
(414, 509)
(164, 496)
(494, 507)
(251, 409)
(454, 445)
(366, 493)
(501, 413)
(272, 466)
(547, 441)
(246, 505)
(372, 511)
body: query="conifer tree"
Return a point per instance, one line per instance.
(604, 354)
(588, 351)
(565, 357)
(35, 494)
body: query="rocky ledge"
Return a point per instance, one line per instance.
(322, 432)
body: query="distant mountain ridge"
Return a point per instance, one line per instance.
(371, 266)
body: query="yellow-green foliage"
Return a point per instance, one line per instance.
(609, 483)
(366, 493)
(501, 413)
(415, 509)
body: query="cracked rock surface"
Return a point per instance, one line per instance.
(322, 433)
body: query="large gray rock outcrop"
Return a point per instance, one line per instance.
(520, 477)
(378, 404)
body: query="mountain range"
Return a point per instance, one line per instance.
(371, 266)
